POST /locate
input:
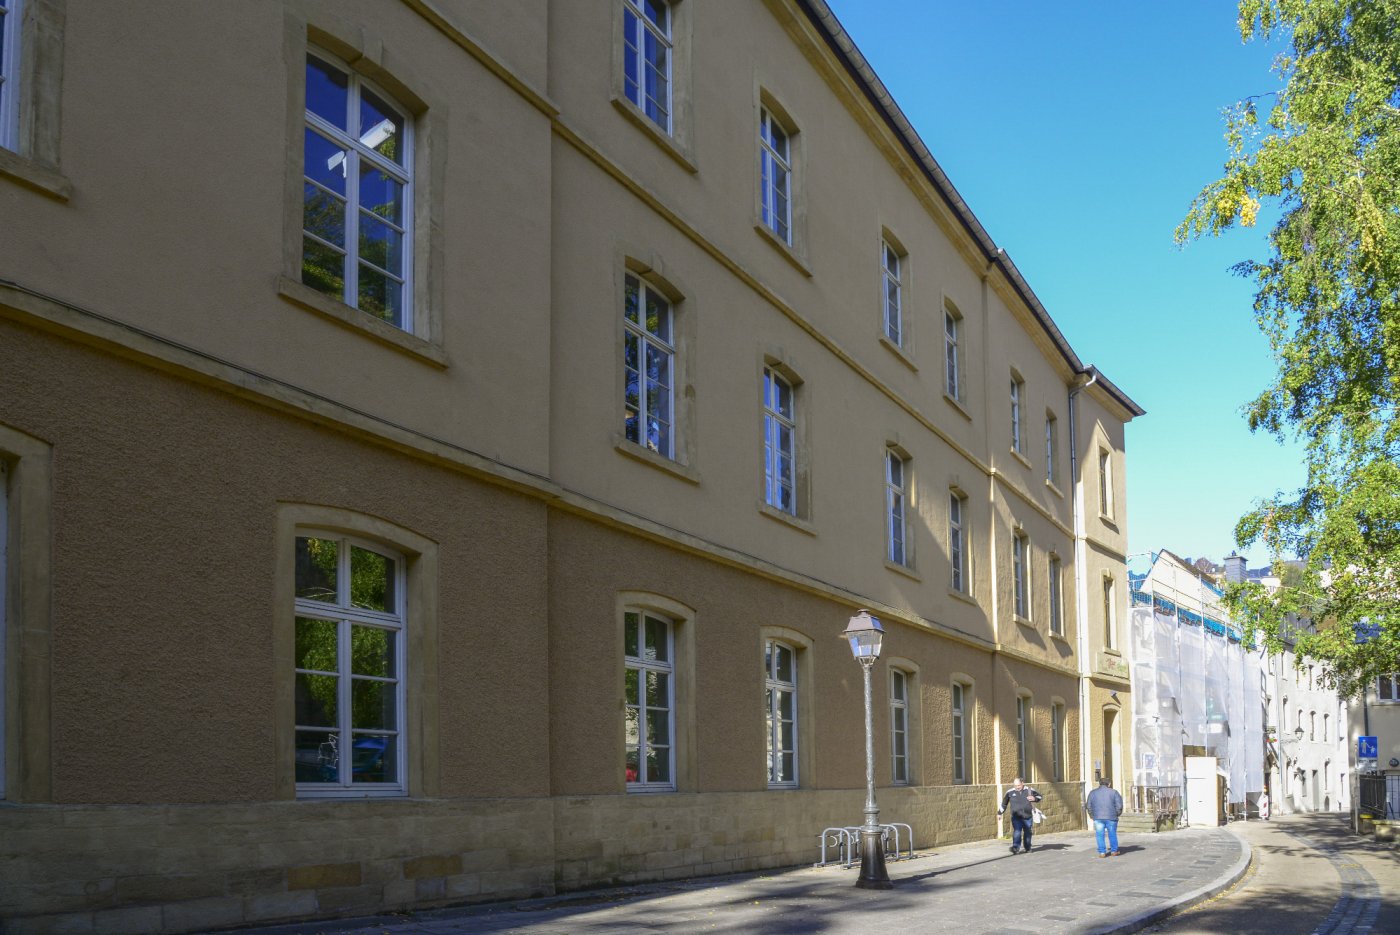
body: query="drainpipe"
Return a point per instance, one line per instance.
(1081, 585)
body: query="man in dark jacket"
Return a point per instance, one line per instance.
(1104, 805)
(1021, 799)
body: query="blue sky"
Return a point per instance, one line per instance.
(1079, 133)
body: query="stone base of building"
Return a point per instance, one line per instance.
(178, 868)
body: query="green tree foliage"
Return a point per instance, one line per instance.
(1325, 150)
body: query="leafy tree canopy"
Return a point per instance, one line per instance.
(1325, 150)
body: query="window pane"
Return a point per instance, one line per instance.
(658, 690)
(657, 631)
(371, 580)
(381, 128)
(327, 94)
(783, 663)
(323, 214)
(381, 245)
(658, 316)
(316, 700)
(381, 194)
(659, 765)
(317, 756)
(632, 730)
(630, 628)
(655, 11)
(323, 269)
(633, 765)
(323, 162)
(785, 705)
(375, 759)
(789, 768)
(372, 651)
(316, 563)
(380, 295)
(373, 704)
(316, 645)
(658, 727)
(631, 686)
(631, 303)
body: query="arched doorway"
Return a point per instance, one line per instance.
(1111, 755)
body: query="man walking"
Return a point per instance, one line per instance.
(1104, 805)
(1021, 799)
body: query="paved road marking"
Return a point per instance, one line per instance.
(1356, 911)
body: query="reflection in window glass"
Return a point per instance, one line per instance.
(648, 368)
(648, 702)
(780, 685)
(348, 666)
(355, 245)
(775, 176)
(646, 58)
(779, 442)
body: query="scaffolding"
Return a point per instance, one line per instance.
(1195, 684)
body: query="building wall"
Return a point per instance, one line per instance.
(177, 405)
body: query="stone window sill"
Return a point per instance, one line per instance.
(304, 296)
(46, 180)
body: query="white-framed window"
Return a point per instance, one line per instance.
(649, 361)
(957, 541)
(893, 295)
(1018, 390)
(11, 14)
(958, 732)
(350, 644)
(1020, 584)
(646, 44)
(357, 198)
(952, 325)
(1312, 725)
(899, 727)
(1110, 615)
(780, 688)
(896, 506)
(775, 175)
(1388, 688)
(1055, 581)
(1052, 448)
(1023, 716)
(1057, 741)
(1105, 482)
(1326, 724)
(779, 443)
(649, 702)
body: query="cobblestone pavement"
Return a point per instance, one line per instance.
(1311, 876)
(1061, 887)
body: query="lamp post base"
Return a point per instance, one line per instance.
(872, 862)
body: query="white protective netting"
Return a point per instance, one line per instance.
(1194, 685)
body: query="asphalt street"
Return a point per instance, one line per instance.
(1302, 875)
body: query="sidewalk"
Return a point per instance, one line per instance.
(1061, 887)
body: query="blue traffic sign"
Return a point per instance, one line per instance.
(1366, 748)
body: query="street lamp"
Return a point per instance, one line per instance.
(865, 634)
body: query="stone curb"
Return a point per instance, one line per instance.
(1181, 903)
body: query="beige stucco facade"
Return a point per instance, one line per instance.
(177, 408)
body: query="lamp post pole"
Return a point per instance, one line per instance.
(865, 635)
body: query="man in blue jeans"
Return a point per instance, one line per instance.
(1104, 805)
(1021, 799)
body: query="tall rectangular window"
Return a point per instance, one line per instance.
(649, 354)
(1312, 725)
(894, 315)
(775, 176)
(1057, 742)
(1018, 390)
(1052, 448)
(646, 55)
(1105, 483)
(357, 193)
(957, 542)
(779, 434)
(1020, 553)
(1110, 615)
(958, 733)
(899, 727)
(780, 686)
(1022, 753)
(349, 666)
(10, 18)
(649, 699)
(1057, 621)
(896, 496)
(952, 376)
(1388, 688)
